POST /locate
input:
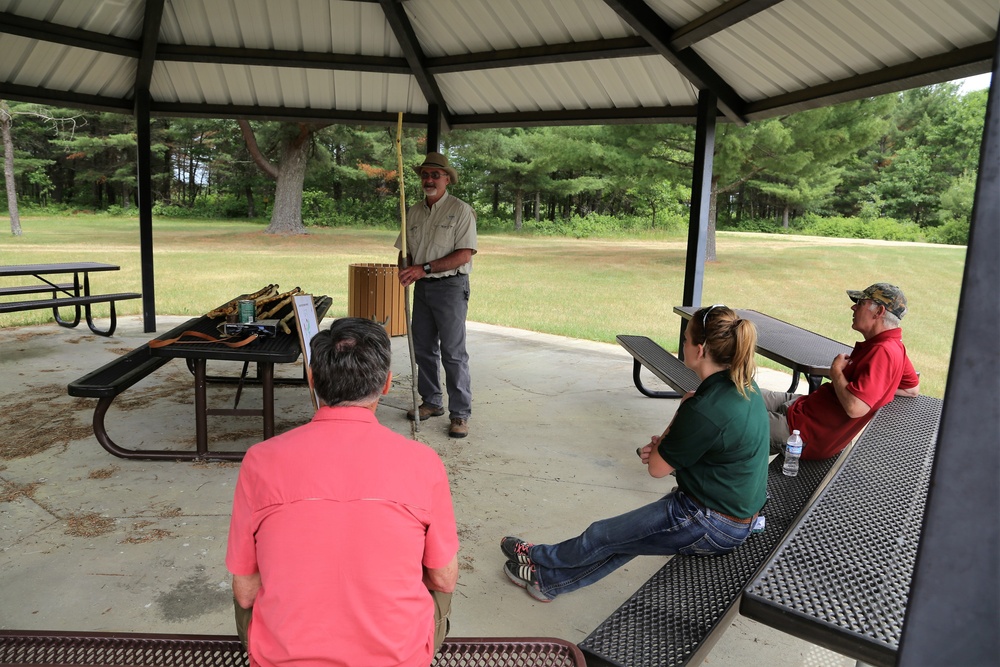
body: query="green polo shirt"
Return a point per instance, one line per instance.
(718, 443)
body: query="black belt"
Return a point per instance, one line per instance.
(454, 275)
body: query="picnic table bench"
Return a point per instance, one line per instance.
(114, 377)
(162, 650)
(64, 294)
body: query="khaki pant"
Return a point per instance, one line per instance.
(442, 610)
(777, 404)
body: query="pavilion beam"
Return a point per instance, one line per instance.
(721, 18)
(280, 58)
(47, 31)
(287, 114)
(648, 24)
(144, 153)
(433, 129)
(953, 600)
(969, 61)
(599, 49)
(407, 38)
(701, 199)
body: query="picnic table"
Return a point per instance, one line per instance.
(281, 348)
(841, 577)
(799, 349)
(113, 378)
(63, 294)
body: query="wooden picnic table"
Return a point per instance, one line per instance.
(799, 349)
(63, 294)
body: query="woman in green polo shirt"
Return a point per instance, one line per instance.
(717, 445)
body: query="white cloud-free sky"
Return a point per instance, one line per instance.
(977, 82)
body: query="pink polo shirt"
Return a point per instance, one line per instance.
(340, 516)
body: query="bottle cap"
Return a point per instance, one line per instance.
(795, 432)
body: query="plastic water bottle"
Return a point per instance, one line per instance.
(793, 450)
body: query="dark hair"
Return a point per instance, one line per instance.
(729, 341)
(350, 361)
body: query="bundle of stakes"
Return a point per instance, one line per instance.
(268, 303)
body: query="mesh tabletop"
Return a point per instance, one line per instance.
(842, 578)
(154, 650)
(786, 343)
(667, 620)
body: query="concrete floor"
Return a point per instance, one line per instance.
(92, 542)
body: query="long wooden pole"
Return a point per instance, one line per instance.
(404, 264)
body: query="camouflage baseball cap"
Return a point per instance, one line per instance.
(883, 294)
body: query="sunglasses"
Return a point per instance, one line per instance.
(435, 175)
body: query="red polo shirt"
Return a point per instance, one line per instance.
(877, 368)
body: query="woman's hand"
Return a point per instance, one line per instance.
(644, 452)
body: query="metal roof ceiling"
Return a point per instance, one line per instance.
(484, 62)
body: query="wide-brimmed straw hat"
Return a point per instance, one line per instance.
(437, 161)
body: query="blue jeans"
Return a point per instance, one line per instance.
(674, 524)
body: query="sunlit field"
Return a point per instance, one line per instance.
(581, 288)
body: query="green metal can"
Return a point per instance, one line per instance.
(246, 310)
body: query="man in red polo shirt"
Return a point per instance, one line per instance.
(342, 542)
(860, 383)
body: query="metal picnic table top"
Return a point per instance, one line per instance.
(841, 578)
(62, 267)
(801, 350)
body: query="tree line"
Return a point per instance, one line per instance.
(900, 165)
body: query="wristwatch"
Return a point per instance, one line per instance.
(427, 268)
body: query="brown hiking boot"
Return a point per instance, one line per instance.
(426, 411)
(459, 428)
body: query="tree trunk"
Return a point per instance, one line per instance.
(710, 234)
(251, 208)
(286, 218)
(784, 217)
(518, 209)
(8, 169)
(538, 206)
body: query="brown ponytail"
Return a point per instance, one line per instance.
(729, 341)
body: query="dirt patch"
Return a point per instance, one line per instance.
(12, 492)
(141, 536)
(33, 336)
(103, 473)
(216, 464)
(90, 524)
(48, 419)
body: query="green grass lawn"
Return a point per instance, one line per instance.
(589, 288)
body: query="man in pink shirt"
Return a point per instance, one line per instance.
(860, 383)
(342, 543)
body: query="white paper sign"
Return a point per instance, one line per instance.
(308, 326)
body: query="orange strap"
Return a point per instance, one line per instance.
(205, 338)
